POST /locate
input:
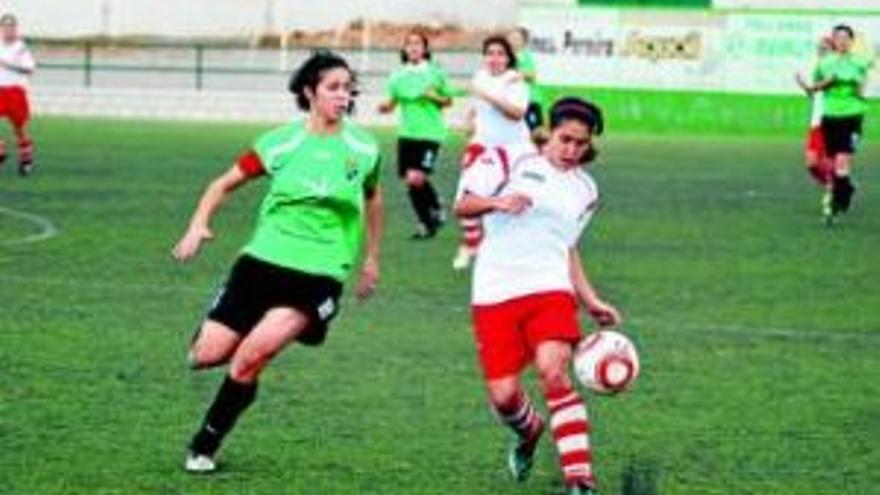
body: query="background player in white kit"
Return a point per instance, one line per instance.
(528, 279)
(16, 66)
(497, 114)
(819, 164)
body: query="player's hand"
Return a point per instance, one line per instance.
(369, 279)
(605, 314)
(514, 204)
(799, 78)
(188, 246)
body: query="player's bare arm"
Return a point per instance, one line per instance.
(605, 314)
(370, 267)
(215, 195)
(471, 205)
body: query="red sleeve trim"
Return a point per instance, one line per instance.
(250, 163)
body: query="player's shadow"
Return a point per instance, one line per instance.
(639, 478)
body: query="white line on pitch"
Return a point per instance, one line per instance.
(47, 228)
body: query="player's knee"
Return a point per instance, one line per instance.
(553, 375)
(504, 396)
(200, 357)
(415, 179)
(247, 368)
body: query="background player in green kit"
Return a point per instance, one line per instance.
(419, 88)
(285, 286)
(528, 67)
(841, 75)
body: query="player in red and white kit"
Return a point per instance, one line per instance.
(16, 66)
(819, 164)
(497, 114)
(528, 280)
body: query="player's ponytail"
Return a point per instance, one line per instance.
(309, 75)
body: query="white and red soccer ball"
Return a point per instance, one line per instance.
(606, 362)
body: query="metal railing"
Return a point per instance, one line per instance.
(201, 66)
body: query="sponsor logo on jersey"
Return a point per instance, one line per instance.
(326, 308)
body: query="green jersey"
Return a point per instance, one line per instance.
(848, 73)
(420, 117)
(525, 62)
(312, 218)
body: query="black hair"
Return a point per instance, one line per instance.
(588, 113)
(310, 73)
(505, 44)
(424, 37)
(845, 28)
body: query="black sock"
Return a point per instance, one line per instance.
(421, 204)
(433, 202)
(231, 400)
(841, 193)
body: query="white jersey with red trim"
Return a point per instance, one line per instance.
(491, 126)
(817, 109)
(527, 253)
(15, 54)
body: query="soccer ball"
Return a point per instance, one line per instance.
(606, 362)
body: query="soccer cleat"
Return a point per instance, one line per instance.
(199, 463)
(463, 258)
(522, 454)
(842, 192)
(424, 232)
(827, 210)
(25, 168)
(581, 489)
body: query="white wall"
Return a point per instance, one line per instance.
(64, 18)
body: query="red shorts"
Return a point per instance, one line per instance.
(14, 105)
(508, 333)
(815, 141)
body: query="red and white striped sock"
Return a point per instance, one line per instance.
(25, 151)
(520, 416)
(571, 430)
(472, 232)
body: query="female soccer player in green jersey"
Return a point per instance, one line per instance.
(841, 75)
(421, 91)
(323, 195)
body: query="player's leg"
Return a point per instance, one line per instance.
(552, 331)
(20, 116)
(419, 158)
(841, 138)
(213, 345)
(424, 200)
(818, 164)
(514, 409)
(277, 328)
(471, 229)
(503, 355)
(568, 415)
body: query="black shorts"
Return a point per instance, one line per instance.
(534, 116)
(416, 154)
(842, 134)
(255, 286)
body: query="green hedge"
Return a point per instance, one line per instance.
(677, 112)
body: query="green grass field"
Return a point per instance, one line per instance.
(759, 331)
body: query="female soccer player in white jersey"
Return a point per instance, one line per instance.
(16, 66)
(528, 279)
(323, 196)
(500, 101)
